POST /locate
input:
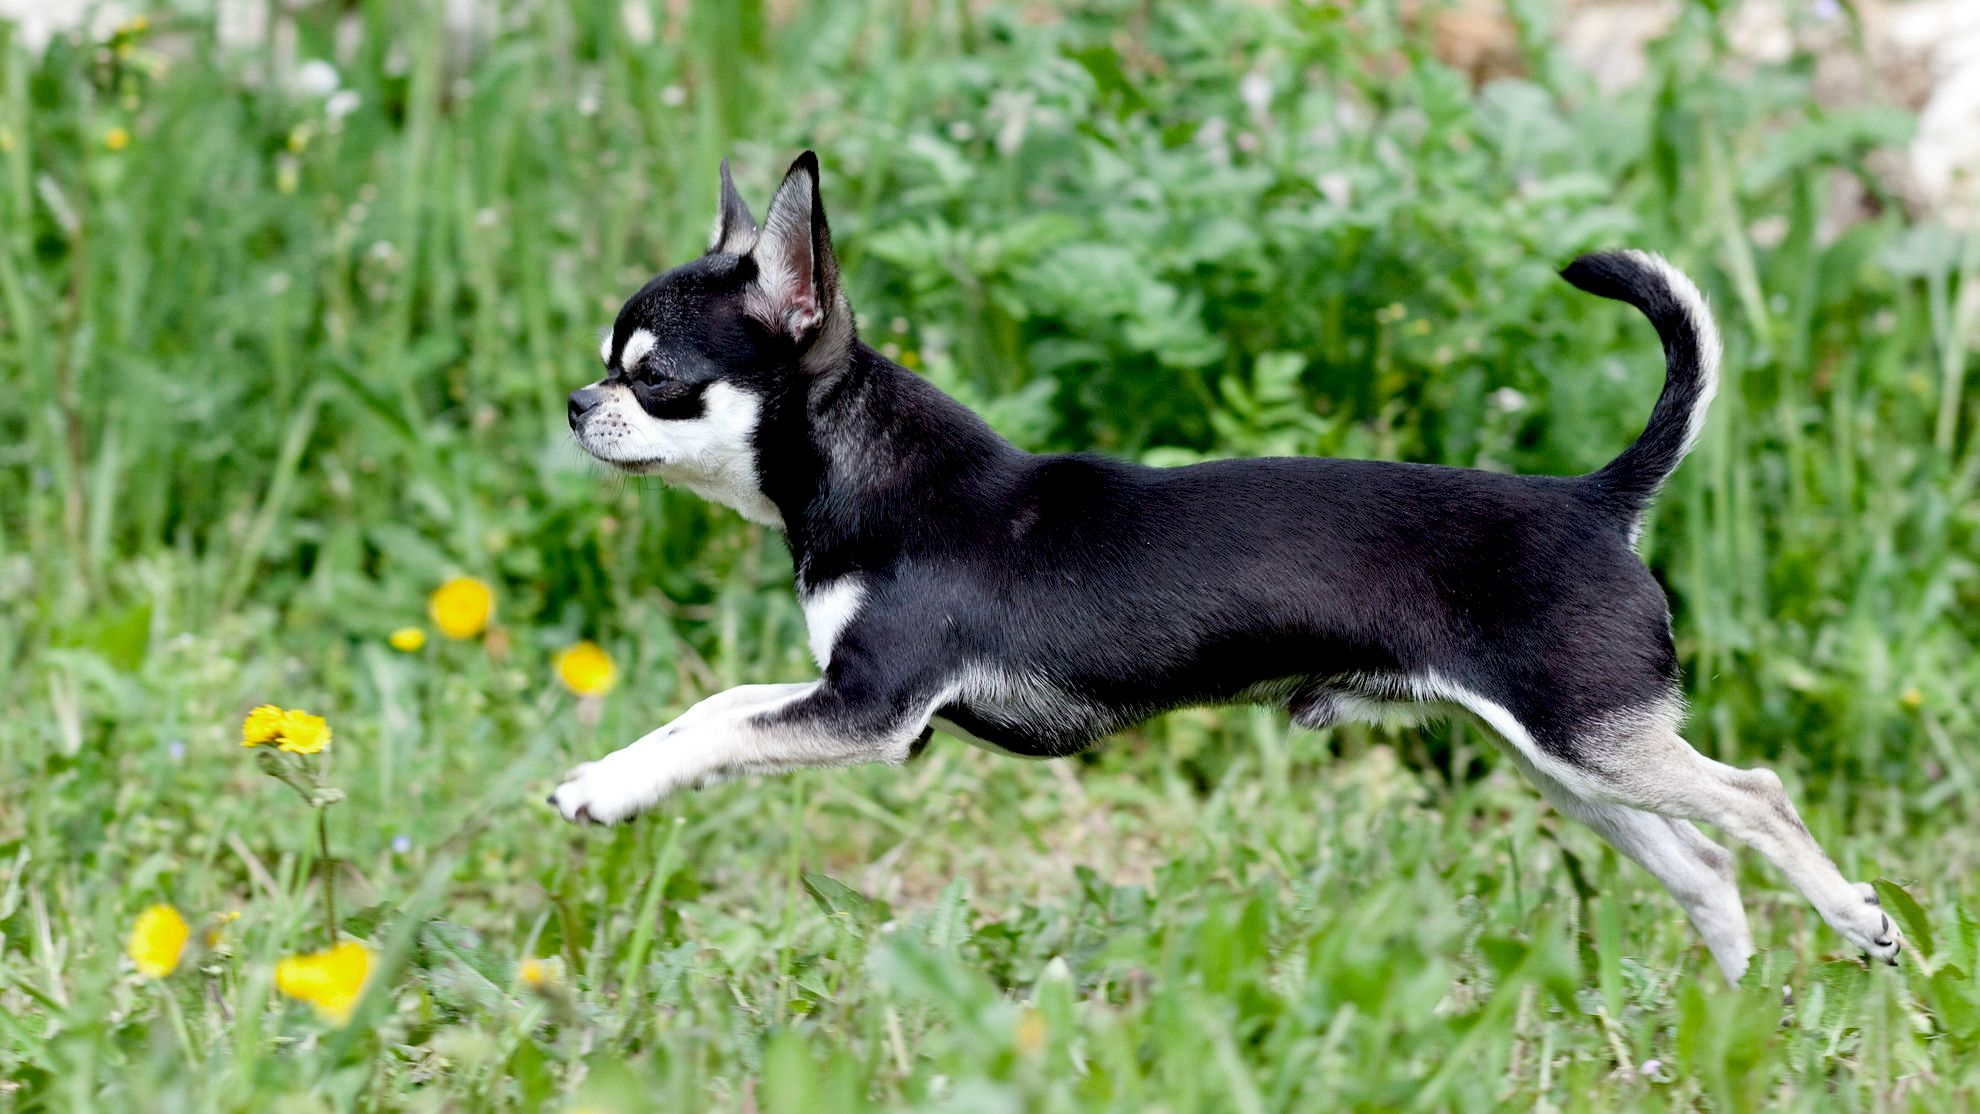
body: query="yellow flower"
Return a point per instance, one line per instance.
(331, 981)
(462, 607)
(117, 139)
(586, 669)
(157, 940)
(537, 973)
(1030, 1032)
(303, 733)
(216, 926)
(408, 639)
(263, 725)
(1912, 698)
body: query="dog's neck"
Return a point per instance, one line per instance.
(887, 460)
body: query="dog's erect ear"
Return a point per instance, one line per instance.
(797, 282)
(735, 229)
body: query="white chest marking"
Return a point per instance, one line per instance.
(828, 608)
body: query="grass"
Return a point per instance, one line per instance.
(272, 375)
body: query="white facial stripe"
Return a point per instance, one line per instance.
(637, 346)
(827, 610)
(605, 348)
(713, 455)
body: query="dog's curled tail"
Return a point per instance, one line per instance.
(1684, 323)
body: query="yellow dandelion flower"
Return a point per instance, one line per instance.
(462, 607)
(586, 669)
(1912, 698)
(116, 139)
(303, 733)
(331, 981)
(408, 639)
(158, 939)
(263, 725)
(537, 973)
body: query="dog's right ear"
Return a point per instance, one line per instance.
(735, 229)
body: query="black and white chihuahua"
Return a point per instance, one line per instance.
(1034, 604)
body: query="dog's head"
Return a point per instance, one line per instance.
(701, 354)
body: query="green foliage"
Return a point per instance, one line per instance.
(272, 373)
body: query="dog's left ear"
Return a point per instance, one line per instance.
(735, 229)
(797, 283)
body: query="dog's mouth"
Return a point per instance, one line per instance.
(633, 467)
(602, 447)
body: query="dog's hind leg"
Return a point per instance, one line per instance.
(1653, 768)
(1641, 762)
(1697, 872)
(1648, 766)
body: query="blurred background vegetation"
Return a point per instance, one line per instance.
(289, 301)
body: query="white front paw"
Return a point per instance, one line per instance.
(1866, 926)
(615, 788)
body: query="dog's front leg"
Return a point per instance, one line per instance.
(754, 729)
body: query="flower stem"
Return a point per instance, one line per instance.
(329, 871)
(178, 1018)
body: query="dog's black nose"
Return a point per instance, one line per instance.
(582, 400)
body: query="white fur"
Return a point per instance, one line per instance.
(730, 734)
(1710, 350)
(637, 346)
(1665, 776)
(782, 295)
(713, 736)
(827, 610)
(605, 348)
(713, 455)
(1696, 871)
